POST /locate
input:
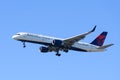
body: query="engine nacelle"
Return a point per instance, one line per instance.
(57, 43)
(44, 49)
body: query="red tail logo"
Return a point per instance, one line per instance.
(100, 39)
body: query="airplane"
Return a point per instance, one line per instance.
(56, 44)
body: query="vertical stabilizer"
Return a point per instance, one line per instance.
(99, 41)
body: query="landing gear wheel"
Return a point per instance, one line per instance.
(24, 45)
(58, 54)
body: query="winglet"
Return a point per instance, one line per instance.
(93, 29)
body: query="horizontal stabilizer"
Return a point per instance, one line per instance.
(106, 46)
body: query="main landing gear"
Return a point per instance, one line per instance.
(57, 54)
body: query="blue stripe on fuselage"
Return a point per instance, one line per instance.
(50, 44)
(44, 43)
(77, 49)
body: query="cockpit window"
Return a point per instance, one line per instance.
(17, 34)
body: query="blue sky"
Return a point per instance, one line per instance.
(63, 18)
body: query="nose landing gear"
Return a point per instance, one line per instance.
(24, 44)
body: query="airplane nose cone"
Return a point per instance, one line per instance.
(14, 37)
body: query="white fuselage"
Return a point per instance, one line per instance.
(40, 39)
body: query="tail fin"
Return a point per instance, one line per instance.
(99, 41)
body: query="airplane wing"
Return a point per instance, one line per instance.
(72, 40)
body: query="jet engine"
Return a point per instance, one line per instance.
(58, 43)
(44, 49)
